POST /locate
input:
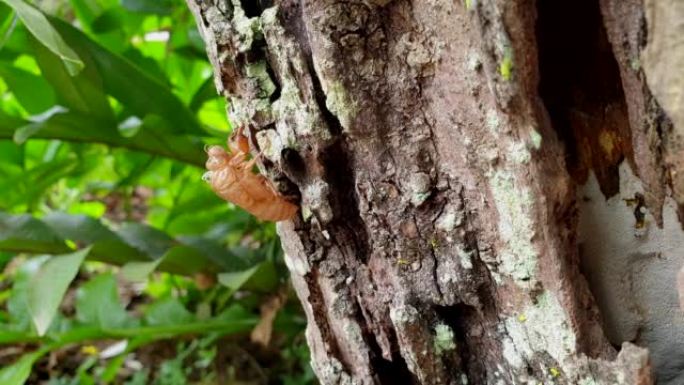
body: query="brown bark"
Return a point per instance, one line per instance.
(435, 148)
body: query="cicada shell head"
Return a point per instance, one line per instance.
(217, 158)
(222, 181)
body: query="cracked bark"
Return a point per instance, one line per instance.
(435, 148)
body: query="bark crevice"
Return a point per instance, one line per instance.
(581, 88)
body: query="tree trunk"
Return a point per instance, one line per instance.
(461, 167)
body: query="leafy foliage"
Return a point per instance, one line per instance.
(111, 246)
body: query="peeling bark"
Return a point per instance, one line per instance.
(664, 66)
(435, 148)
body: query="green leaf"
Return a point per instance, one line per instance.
(87, 10)
(50, 284)
(25, 233)
(235, 312)
(5, 259)
(206, 92)
(159, 7)
(19, 372)
(148, 65)
(18, 302)
(78, 127)
(32, 91)
(84, 92)
(185, 260)
(139, 92)
(146, 239)
(15, 37)
(79, 227)
(194, 199)
(168, 312)
(24, 132)
(7, 23)
(133, 242)
(26, 188)
(11, 156)
(216, 252)
(98, 304)
(265, 279)
(41, 28)
(235, 279)
(139, 271)
(108, 20)
(106, 246)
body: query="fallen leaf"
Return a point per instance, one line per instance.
(262, 332)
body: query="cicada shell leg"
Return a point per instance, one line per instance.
(238, 142)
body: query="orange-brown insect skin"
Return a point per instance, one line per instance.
(230, 176)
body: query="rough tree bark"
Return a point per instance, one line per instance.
(437, 148)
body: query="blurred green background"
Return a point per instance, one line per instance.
(118, 264)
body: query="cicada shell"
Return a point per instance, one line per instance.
(230, 176)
